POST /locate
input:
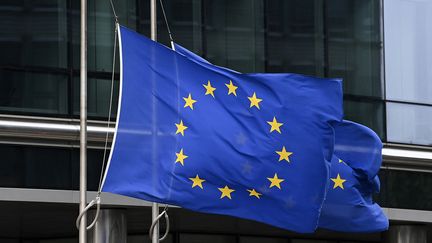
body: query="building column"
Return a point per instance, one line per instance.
(406, 234)
(111, 226)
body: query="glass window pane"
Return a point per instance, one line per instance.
(68, 240)
(199, 238)
(185, 20)
(409, 124)
(100, 31)
(313, 241)
(367, 112)
(397, 189)
(94, 166)
(10, 240)
(98, 100)
(380, 197)
(146, 239)
(33, 92)
(11, 167)
(354, 45)
(249, 239)
(33, 33)
(234, 34)
(45, 167)
(294, 39)
(35, 167)
(408, 50)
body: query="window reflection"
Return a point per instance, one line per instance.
(234, 34)
(250, 239)
(398, 187)
(100, 27)
(33, 33)
(408, 50)
(146, 239)
(200, 238)
(33, 92)
(354, 45)
(295, 41)
(185, 20)
(98, 101)
(46, 168)
(409, 123)
(312, 241)
(66, 240)
(367, 112)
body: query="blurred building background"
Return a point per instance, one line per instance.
(381, 48)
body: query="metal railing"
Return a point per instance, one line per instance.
(51, 131)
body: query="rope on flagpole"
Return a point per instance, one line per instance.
(167, 25)
(164, 213)
(110, 102)
(114, 12)
(97, 200)
(93, 202)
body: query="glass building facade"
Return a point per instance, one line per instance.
(383, 59)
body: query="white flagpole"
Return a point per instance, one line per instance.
(83, 123)
(153, 34)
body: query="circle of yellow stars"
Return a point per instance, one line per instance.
(274, 126)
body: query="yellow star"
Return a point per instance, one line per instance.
(181, 157)
(189, 102)
(275, 181)
(231, 88)
(341, 162)
(254, 101)
(254, 193)
(275, 126)
(209, 89)
(197, 181)
(338, 182)
(283, 154)
(226, 192)
(180, 128)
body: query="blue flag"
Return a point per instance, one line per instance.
(349, 206)
(255, 146)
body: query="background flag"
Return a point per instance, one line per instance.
(255, 146)
(353, 179)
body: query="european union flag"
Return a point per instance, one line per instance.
(357, 159)
(209, 139)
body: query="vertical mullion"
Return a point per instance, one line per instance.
(69, 53)
(382, 69)
(266, 35)
(138, 17)
(318, 39)
(325, 39)
(203, 30)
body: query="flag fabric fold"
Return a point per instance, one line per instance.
(357, 158)
(348, 206)
(203, 137)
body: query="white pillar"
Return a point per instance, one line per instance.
(406, 234)
(111, 226)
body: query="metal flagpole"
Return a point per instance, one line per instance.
(83, 123)
(153, 35)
